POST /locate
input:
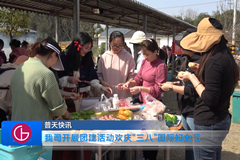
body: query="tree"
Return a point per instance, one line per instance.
(225, 16)
(200, 17)
(66, 29)
(45, 26)
(13, 22)
(188, 15)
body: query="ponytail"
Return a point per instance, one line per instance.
(42, 48)
(162, 54)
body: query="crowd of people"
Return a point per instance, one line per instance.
(41, 82)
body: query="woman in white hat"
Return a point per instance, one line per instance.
(216, 79)
(136, 40)
(34, 89)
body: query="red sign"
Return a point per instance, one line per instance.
(176, 49)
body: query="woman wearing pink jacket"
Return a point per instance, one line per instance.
(116, 66)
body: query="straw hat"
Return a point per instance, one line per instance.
(138, 37)
(205, 37)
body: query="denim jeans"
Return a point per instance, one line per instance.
(212, 152)
(188, 124)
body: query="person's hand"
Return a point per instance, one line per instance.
(107, 89)
(66, 116)
(184, 77)
(73, 80)
(135, 90)
(74, 96)
(127, 85)
(119, 86)
(193, 66)
(105, 84)
(165, 86)
(168, 83)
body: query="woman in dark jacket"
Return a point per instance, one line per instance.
(186, 94)
(216, 79)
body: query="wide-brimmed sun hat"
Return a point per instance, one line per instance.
(187, 32)
(138, 37)
(205, 37)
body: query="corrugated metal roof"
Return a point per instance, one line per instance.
(126, 32)
(110, 30)
(120, 13)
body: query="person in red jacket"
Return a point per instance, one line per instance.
(16, 50)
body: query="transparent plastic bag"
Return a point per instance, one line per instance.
(104, 105)
(125, 102)
(153, 105)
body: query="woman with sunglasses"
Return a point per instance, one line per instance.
(116, 66)
(34, 89)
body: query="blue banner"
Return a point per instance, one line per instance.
(102, 125)
(21, 133)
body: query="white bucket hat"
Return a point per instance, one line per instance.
(138, 37)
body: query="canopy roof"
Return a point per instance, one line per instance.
(119, 13)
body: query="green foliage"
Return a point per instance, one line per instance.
(178, 17)
(170, 119)
(200, 17)
(13, 22)
(101, 49)
(45, 25)
(82, 115)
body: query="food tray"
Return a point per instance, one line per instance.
(94, 116)
(130, 108)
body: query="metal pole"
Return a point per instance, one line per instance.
(145, 24)
(166, 153)
(57, 28)
(173, 56)
(168, 40)
(106, 45)
(76, 16)
(234, 26)
(154, 36)
(99, 153)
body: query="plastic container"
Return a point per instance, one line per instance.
(236, 107)
(24, 152)
(115, 101)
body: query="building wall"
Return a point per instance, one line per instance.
(30, 37)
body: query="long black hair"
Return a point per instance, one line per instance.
(72, 52)
(220, 47)
(87, 60)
